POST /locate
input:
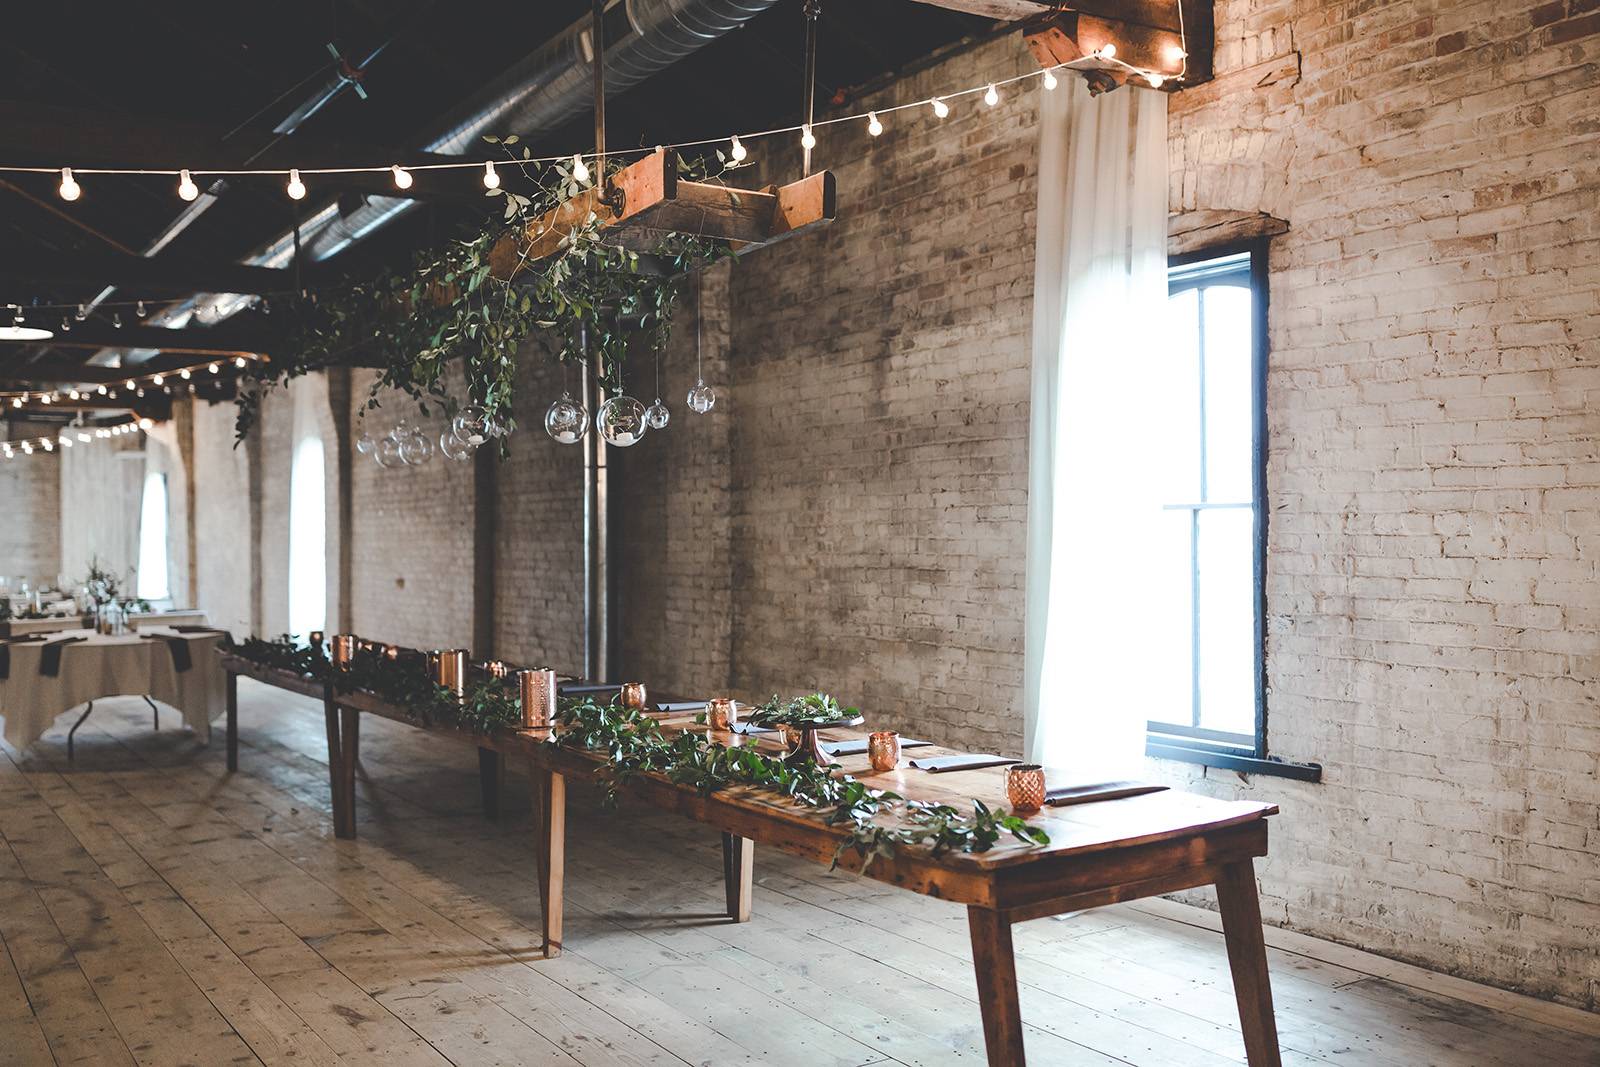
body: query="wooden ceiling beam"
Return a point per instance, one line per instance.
(1004, 10)
(156, 405)
(160, 273)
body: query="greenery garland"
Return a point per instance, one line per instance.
(448, 304)
(634, 743)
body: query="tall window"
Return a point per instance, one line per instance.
(308, 578)
(1209, 623)
(151, 583)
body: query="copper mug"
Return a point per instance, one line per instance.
(633, 695)
(496, 669)
(450, 670)
(1025, 787)
(391, 652)
(883, 750)
(538, 689)
(722, 713)
(344, 649)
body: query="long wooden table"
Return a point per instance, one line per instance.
(1099, 853)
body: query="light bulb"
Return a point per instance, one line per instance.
(1107, 51)
(940, 108)
(1154, 79)
(215, 368)
(101, 390)
(48, 446)
(580, 172)
(145, 424)
(737, 151)
(807, 138)
(158, 379)
(138, 309)
(296, 188)
(16, 401)
(187, 189)
(45, 398)
(491, 180)
(402, 177)
(66, 442)
(66, 324)
(74, 394)
(992, 97)
(132, 384)
(1175, 54)
(1050, 79)
(70, 190)
(238, 361)
(82, 436)
(184, 374)
(874, 127)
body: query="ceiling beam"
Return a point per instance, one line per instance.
(216, 341)
(58, 372)
(1004, 10)
(163, 272)
(156, 405)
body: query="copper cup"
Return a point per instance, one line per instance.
(315, 640)
(391, 652)
(883, 750)
(344, 649)
(538, 689)
(496, 669)
(451, 670)
(633, 695)
(1025, 787)
(722, 713)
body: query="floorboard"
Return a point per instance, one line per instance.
(155, 909)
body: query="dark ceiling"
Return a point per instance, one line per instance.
(81, 79)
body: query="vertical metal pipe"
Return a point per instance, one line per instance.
(812, 9)
(596, 526)
(597, 38)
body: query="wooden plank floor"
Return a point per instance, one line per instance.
(155, 910)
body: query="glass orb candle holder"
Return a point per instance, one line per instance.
(621, 421)
(701, 398)
(416, 448)
(472, 425)
(365, 443)
(656, 416)
(452, 447)
(567, 420)
(1025, 787)
(387, 454)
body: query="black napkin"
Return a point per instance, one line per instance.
(198, 630)
(178, 646)
(588, 688)
(1062, 795)
(50, 655)
(856, 746)
(673, 707)
(5, 651)
(966, 761)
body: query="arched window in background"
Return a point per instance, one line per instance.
(152, 576)
(308, 577)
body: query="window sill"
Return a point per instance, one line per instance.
(1238, 760)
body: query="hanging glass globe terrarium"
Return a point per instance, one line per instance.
(452, 447)
(473, 425)
(416, 448)
(701, 398)
(566, 421)
(621, 421)
(387, 453)
(365, 444)
(656, 416)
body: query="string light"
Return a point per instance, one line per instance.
(187, 189)
(101, 390)
(157, 379)
(580, 172)
(402, 177)
(1176, 54)
(992, 97)
(74, 394)
(69, 185)
(215, 368)
(238, 361)
(296, 188)
(874, 127)
(491, 180)
(184, 374)
(807, 138)
(1049, 80)
(1154, 79)
(940, 108)
(1107, 51)
(737, 151)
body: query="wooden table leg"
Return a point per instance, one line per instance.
(233, 721)
(1247, 958)
(738, 875)
(996, 968)
(491, 778)
(550, 826)
(330, 713)
(349, 752)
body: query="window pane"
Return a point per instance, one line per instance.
(1228, 393)
(1172, 623)
(1177, 414)
(1227, 620)
(308, 586)
(151, 581)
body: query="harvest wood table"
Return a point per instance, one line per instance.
(1099, 853)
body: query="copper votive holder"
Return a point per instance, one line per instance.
(538, 689)
(391, 652)
(722, 713)
(497, 669)
(451, 670)
(1025, 787)
(634, 695)
(344, 649)
(315, 639)
(883, 750)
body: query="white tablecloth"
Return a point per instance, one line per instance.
(110, 666)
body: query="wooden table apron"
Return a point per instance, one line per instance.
(999, 888)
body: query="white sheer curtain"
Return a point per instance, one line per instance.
(151, 582)
(1093, 504)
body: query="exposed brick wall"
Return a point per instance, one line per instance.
(30, 500)
(1433, 479)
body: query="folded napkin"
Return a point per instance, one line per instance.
(5, 651)
(178, 646)
(747, 728)
(1062, 795)
(966, 761)
(673, 707)
(587, 688)
(197, 630)
(50, 655)
(858, 745)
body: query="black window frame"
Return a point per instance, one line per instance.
(1194, 743)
